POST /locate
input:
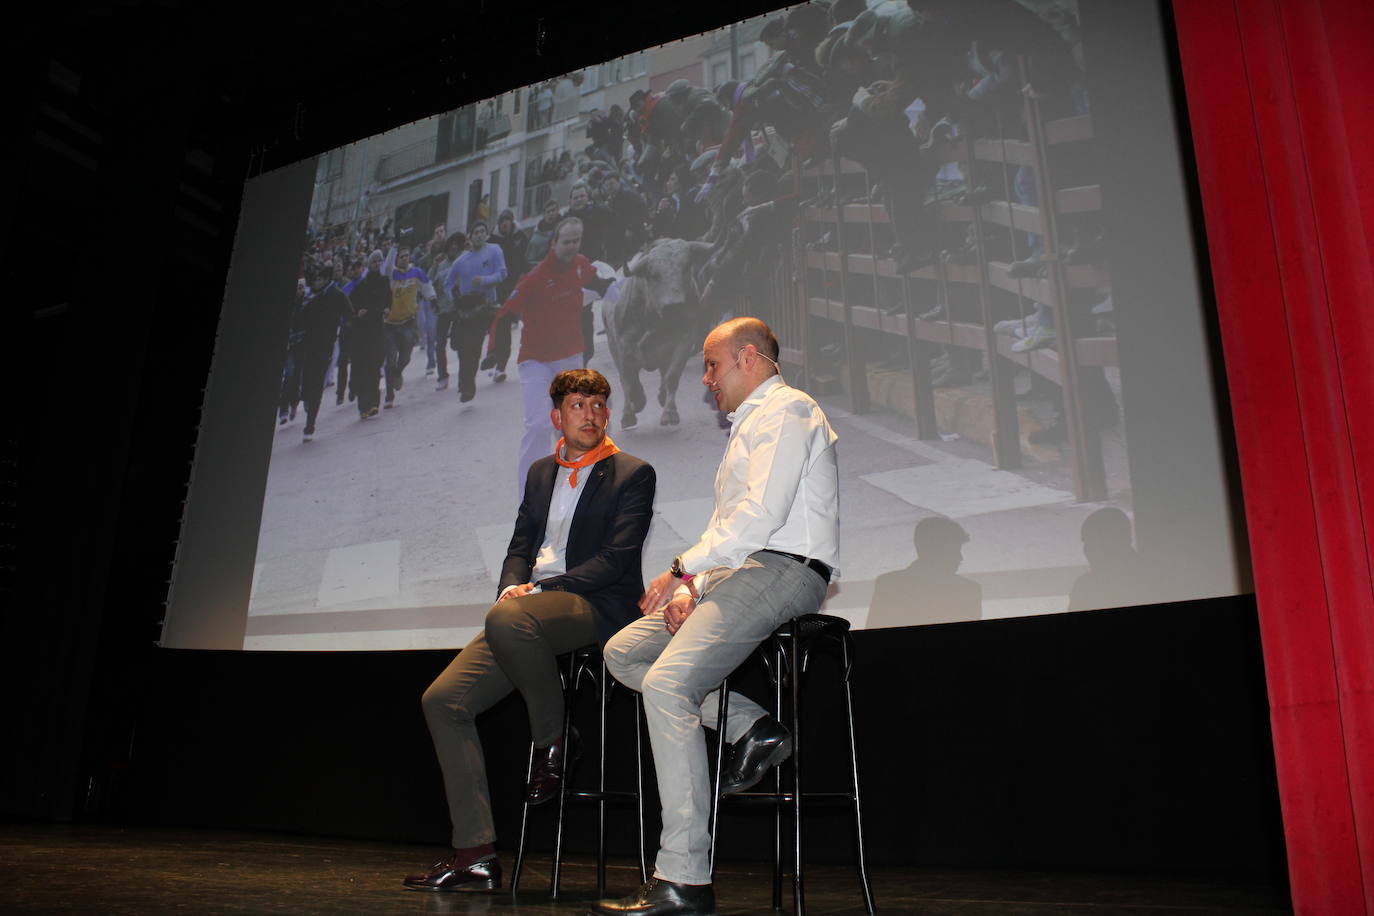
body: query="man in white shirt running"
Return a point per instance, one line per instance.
(766, 556)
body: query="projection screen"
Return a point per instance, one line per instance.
(1025, 395)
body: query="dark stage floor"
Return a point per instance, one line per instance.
(156, 871)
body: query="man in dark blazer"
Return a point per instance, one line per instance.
(571, 577)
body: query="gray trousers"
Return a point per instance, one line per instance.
(516, 651)
(679, 675)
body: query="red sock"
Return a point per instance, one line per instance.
(470, 855)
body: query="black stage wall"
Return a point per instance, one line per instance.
(1119, 739)
(1132, 739)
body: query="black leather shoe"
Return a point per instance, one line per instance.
(445, 876)
(765, 745)
(548, 769)
(661, 898)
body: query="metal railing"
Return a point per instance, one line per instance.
(859, 292)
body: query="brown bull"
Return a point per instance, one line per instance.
(657, 323)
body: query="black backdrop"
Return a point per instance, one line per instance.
(1127, 739)
(1119, 739)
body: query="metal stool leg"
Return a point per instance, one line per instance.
(569, 695)
(778, 679)
(639, 785)
(723, 711)
(524, 826)
(846, 649)
(795, 673)
(602, 693)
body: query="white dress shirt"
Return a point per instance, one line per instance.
(777, 486)
(552, 559)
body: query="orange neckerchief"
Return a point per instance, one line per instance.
(606, 449)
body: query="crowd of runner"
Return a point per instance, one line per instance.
(881, 84)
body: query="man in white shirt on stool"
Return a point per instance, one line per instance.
(766, 556)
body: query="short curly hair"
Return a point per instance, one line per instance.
(578, 381)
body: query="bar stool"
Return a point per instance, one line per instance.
(587, 663)
(785, 654)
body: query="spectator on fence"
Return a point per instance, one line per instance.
(607, 139)
(655, 130)
(690, 220)
(745, 256)
(704, 122)
(790, 98)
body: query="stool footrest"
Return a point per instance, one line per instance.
(608, 795)
(788, 797)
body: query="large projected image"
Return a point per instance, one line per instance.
(911, 195)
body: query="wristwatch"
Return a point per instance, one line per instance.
(678, 572)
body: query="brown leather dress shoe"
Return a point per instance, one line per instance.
(482, 875)
(661, 898)
(548, 768)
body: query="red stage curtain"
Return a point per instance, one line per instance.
(1280, 97)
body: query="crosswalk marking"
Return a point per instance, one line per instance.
(965, 487)
(359, 572)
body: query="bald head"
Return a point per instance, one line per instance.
(737, 357)
(748, 331)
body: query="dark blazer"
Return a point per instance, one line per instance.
(604, 544)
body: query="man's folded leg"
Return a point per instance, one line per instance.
(526, 635)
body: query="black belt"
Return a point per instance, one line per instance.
(816, 566)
